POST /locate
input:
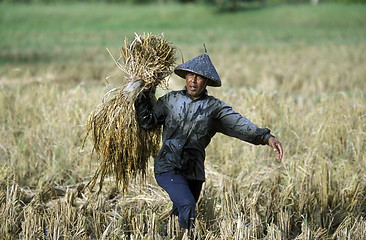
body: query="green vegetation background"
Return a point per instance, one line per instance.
(68, 32)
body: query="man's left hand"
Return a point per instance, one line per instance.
(276, 146)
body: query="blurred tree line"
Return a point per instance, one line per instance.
(226, 5)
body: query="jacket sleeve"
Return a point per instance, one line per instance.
(234, 124)
(149, 115)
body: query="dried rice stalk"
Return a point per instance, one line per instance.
(122, 144)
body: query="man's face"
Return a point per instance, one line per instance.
(195, 85)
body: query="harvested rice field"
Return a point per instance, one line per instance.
(296, 69)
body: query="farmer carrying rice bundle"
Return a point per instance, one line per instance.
(190, 118)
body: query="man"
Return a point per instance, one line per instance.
(190, 118)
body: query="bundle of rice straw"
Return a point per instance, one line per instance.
(123, 146)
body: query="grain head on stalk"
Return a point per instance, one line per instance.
(122, 145)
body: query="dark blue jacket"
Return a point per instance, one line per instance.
(189, 125)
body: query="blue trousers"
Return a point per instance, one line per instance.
(184, 194)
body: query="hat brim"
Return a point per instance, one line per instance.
(183, 72)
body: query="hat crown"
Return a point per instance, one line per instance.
(201, 65)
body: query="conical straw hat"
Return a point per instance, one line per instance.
(200, 65)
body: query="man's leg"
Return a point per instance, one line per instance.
(195, 186)
(176, 185)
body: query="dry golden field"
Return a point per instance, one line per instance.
(312, 96)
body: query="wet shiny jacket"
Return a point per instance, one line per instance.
(189, 125)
